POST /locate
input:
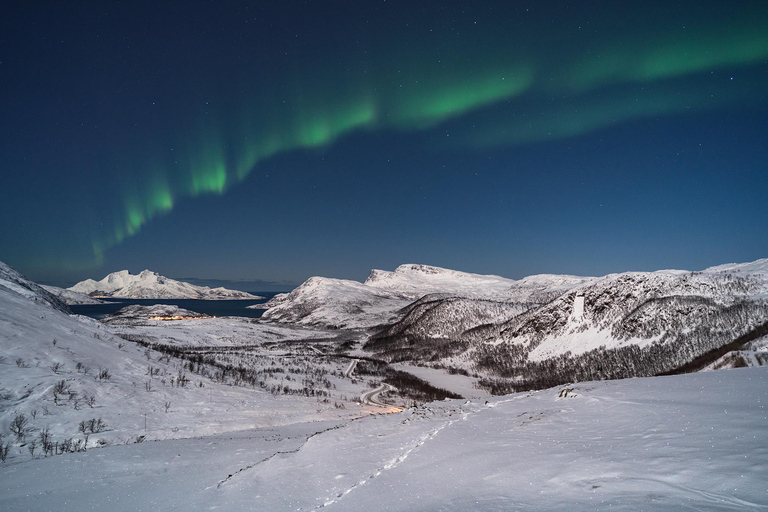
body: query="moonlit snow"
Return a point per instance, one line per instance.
(693, 442)
(313, 430)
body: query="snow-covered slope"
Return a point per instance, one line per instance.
(274, 301)
(58, 369)
(338, 304)
(621, 325)
(343, 303)
(150, 285)
(416, 281)
(692, 442)
(71, 298)
(752, 267)
(15, 285)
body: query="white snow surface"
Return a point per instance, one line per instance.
(337, 303)
(582, 330)
(41, 346)
(151, 285)
(752, 267)
(416, 281)
(456, 383)
(70, 297)
(692, 442)
(578, 342)
(342, 303)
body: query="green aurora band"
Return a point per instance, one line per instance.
(529, 98)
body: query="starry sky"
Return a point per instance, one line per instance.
(255, 144)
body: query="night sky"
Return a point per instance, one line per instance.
(272, 141)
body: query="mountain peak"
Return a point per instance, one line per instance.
(151, 285)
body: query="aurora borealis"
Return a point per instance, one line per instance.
(283, 140)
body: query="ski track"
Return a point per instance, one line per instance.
(712, 497)
(286, 452)
(393, 463)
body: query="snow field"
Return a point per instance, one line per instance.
(692, 442)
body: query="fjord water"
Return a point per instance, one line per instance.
(207, 307)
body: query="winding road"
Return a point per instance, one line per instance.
(371, 398)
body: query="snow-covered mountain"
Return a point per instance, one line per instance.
(14, 284)
(416, 281)
(71, 298)
(151, 285)
(340, 303)
(136, 314)
(621, 325)
(58, 370)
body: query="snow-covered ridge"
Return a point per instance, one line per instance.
(752, 267)
(151, 285)
(620, 325)
(337, 303)
(16, 284)
(71, 298)
(341, 303)
(418, 280)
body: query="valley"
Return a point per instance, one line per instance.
(330, 363)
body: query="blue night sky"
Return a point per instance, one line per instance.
(266, 142)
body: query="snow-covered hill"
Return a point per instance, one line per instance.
(71, 298)
(621, 325)
(58, 370)
(131, 315)
(691, 442)
(13, 284)
(150, 285)
(753, 267)
(338, 304)
(343, 303)
(415, 281)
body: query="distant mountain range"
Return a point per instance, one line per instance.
(621, 325)
(546, 330)
(340, 303)
(535, 332)
(151, 285)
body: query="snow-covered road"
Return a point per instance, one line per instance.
(372, 398)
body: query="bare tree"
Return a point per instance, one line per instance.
(60, 388)
(19, 426)
(90, 400)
